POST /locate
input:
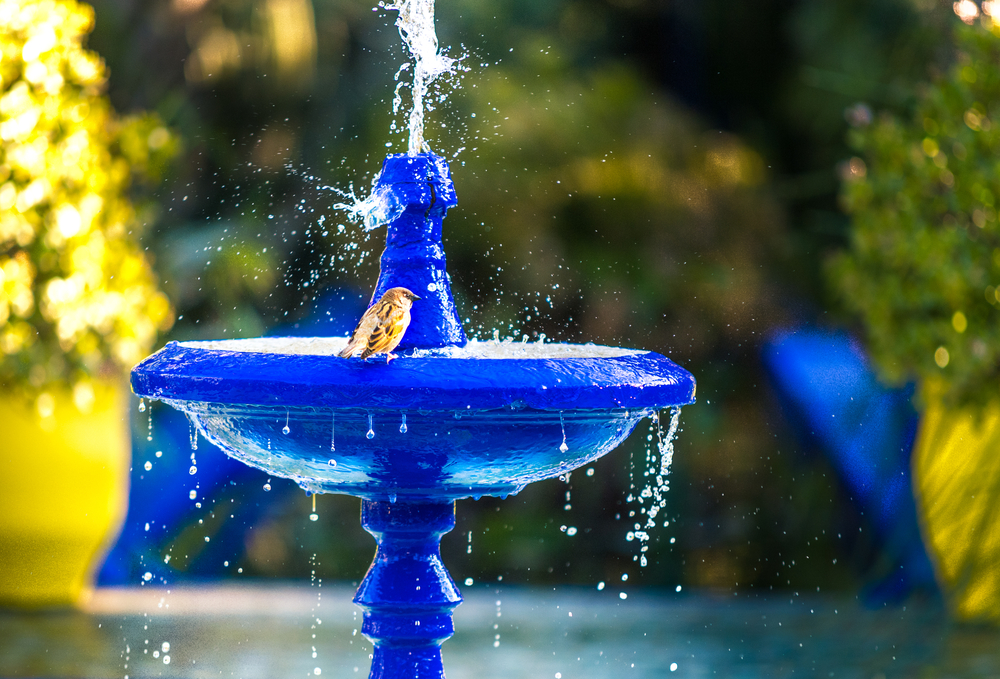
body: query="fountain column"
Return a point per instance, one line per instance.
(407, 595)
(418, 190)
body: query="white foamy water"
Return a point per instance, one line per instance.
(416, 27)
(380, 207)
(326, 346)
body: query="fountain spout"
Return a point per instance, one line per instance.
(419, 190)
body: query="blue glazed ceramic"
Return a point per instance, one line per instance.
(448, 419)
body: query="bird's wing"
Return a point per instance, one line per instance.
(387, 332)
(361, 333)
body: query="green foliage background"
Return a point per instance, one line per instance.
(924, 261)
(650, 174)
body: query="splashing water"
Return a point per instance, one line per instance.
(651, 498)
(416, 27)
(665, 444)
(380, 207)
(193, 432)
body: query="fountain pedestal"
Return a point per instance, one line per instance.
(407, 595)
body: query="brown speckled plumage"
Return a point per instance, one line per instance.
(382, 327)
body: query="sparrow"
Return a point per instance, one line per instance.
(381, 327)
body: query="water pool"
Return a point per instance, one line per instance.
(259, 632)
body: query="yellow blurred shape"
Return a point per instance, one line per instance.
(956, 472)
(292, 37)
(959, 322)
(942, 357)
(65, 491)
(217, 53)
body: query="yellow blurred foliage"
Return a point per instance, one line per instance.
(77, 293)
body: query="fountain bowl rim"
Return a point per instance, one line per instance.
(197, 371)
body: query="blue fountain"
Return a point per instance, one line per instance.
(448, 419)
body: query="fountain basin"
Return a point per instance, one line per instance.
(484, 419)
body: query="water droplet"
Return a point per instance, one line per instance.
(165, 647)
(142, 405)
(207, 539)
(571, 531)
(192, 495)
(314, 517)
(600, 585)
(285, 429)
(332, 463)
(193, 470)
(166, 660)
(371, 431)
(267, 487)
(402, 425)
(148, 465)
(432, 287)
(562, 423)
(622, 595)
(468, 582)
(317, 671)
(147, 576)
(333, 429)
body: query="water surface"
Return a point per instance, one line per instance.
(566, 633)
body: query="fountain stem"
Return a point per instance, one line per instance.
(407, 595)
(421, 189)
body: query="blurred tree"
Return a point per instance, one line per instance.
(78, 299)
(923, 261)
